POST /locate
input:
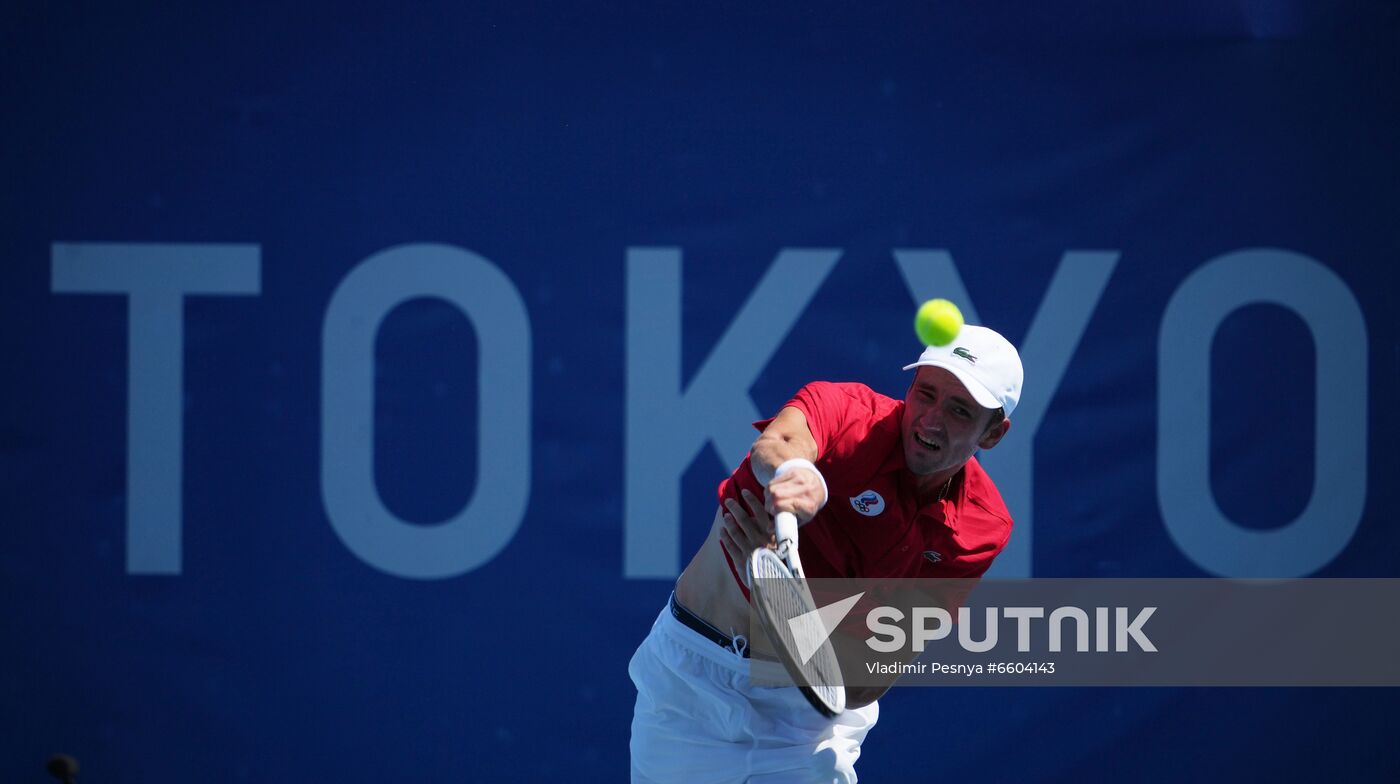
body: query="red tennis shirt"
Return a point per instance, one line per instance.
(872, 524)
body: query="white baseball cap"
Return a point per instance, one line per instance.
(985, 362)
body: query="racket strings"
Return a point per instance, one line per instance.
(783, 598)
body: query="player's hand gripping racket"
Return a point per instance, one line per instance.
(788, 614)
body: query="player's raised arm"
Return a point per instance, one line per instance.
(783, 461)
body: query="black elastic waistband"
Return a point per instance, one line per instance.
(697, 624)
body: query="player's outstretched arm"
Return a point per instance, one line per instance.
(785, 438)
(802, 490)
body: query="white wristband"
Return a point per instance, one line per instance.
(799, 462)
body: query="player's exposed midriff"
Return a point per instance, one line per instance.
(707, 587)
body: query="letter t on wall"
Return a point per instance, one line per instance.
(156, 278)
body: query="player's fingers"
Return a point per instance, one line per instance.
(800, 497)
(735, 532)
(734, 512)
(726, 540)
(741, 541)
(754, 536)
(747, 526)
(786, 487)
(777, 500)
(777, 492)
(760, 512)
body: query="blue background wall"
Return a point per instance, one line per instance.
(549, 142)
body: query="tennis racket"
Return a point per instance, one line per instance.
(788, 614)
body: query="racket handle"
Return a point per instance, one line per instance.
(785, 526)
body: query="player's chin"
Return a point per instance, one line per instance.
(923, 461)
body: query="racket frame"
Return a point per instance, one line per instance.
(785, 557)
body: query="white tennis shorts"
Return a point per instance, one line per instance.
(699, 720)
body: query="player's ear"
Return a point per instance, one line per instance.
(994, 433)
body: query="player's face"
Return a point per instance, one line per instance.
(943, 425)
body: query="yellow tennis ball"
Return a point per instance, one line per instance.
(938, 322)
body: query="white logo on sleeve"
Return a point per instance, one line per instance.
(868, 503)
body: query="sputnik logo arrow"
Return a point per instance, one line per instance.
(811, 629)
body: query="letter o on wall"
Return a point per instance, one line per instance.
(490, 519)
(1193, 519)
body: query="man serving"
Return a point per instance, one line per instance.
(883, 488)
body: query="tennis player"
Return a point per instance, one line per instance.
(884, 488)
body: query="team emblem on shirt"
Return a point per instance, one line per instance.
(933, 556)
(868, 503)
